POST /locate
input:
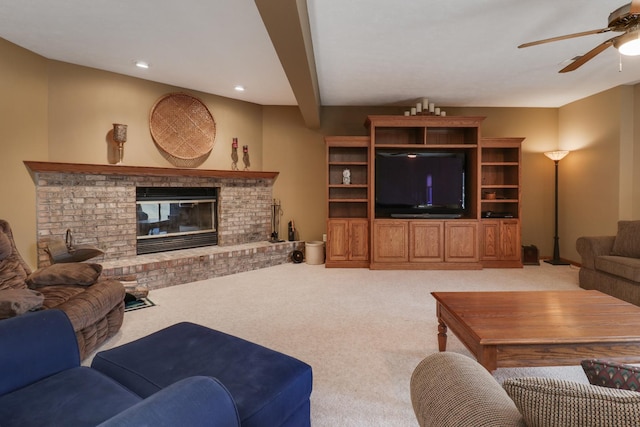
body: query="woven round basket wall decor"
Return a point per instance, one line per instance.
(183, 129)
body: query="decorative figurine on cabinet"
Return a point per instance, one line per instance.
(346, 177)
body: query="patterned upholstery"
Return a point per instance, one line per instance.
(551, 402)
(611, 264)
(611, 374)
(452, 390)
(627, 241)
(96, 312)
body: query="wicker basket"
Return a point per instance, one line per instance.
(183, 129)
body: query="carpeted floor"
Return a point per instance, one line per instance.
(362, 331)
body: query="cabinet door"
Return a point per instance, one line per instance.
(390, 241)
(490, 240)
(461, 241)
(510, 240)
(337, 240)
(426, 241)
(359, 240)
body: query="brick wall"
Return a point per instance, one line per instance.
(100, 209)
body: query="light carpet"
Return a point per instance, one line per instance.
(362, 331)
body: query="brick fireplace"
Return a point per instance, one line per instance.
(98, 203)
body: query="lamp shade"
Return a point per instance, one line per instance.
(556, 155)
(628, 44)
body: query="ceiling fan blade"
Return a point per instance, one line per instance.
(587, 56)
(568, 36)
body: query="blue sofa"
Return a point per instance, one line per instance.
(42, 383)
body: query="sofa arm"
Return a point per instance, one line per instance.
(591, 247)
(34, 346)
(195, 401)
(452, 390)
(94, 303)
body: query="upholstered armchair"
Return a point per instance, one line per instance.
(94, 305)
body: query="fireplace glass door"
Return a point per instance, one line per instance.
(175, 221)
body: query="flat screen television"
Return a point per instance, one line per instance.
(419, 184)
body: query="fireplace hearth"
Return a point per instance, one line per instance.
(172, 218)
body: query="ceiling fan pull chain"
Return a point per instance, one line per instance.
(620, 63)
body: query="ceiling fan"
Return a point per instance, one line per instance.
(625, 19)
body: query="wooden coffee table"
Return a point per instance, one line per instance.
(540, 328)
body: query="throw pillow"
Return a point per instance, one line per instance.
(627, 242)
(72, 273)
(5, 246)
(611, 374)
(551, 402)
(14, 302)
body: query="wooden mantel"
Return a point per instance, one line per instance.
(84, 168)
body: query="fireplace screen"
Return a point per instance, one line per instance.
(175, 218)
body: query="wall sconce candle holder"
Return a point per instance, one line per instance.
(120, 137)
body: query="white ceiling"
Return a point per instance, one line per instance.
(367, 52)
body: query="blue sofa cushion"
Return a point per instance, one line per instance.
(73, 398)
(194, 401)
(268, 387)
(34, 346)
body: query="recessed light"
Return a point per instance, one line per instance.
(239, 88)
(142, 64)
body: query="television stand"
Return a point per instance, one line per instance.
(427, 216)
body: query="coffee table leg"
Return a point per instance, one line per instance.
(442, 336)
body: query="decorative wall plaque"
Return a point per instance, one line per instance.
(183, 129)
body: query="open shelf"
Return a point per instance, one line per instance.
(500, 177)
(400, 136)
(340, 193)
(408, 136)
(348, 155)
(359, 174)
(347, 200)
(452, 136)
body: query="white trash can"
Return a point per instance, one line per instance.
(314, 252)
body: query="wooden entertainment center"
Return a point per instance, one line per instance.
(485, 234)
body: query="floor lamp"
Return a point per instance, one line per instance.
(556, 156)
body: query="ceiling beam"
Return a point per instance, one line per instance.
(287, 22)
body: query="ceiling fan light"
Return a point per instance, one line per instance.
(629, 44)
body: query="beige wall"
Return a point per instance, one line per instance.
(298, 154)
(596, 178)
(23, 121)
(84, 103)
(62, 112)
